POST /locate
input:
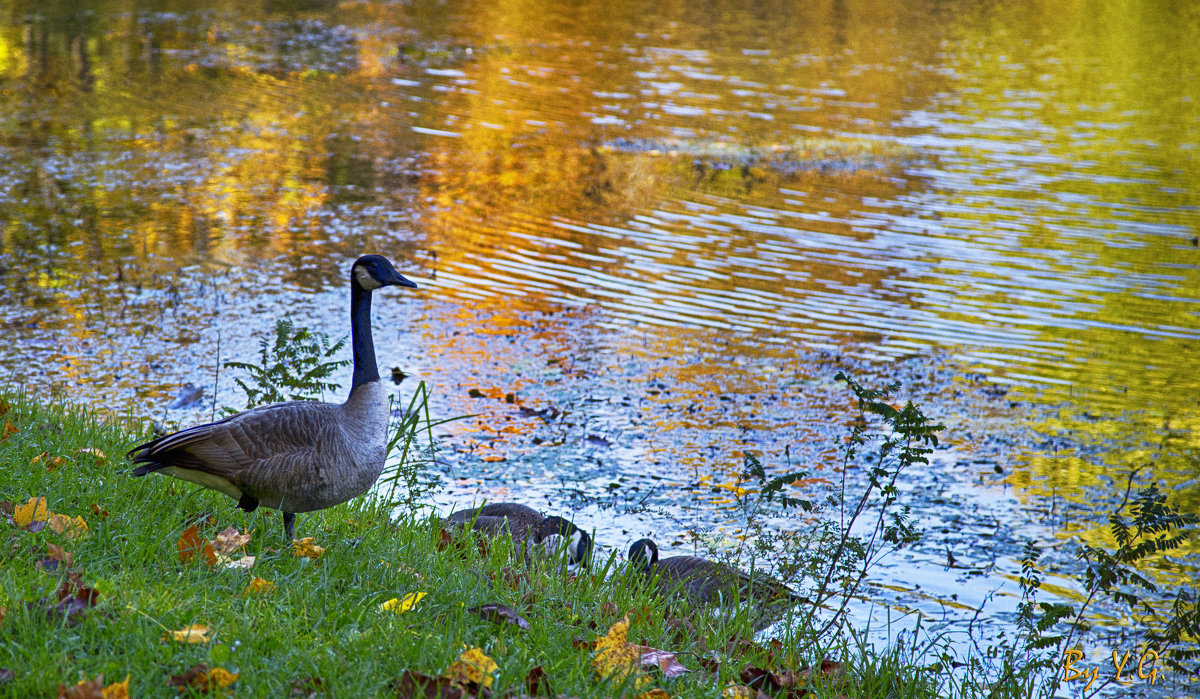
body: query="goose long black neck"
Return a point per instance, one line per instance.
(365, 368)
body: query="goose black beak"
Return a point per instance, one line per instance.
(394, 279)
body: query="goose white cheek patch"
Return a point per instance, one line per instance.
(365, 280)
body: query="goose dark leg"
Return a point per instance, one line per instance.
(289, 524)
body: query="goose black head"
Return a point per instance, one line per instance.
(578, 543)
(373, 271)
(639, 557)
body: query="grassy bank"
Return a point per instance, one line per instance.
(320, 627)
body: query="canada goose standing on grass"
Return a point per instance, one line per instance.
(706, 582)
(536, 532)
(298, 456)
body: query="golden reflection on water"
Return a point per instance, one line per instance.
(1027, 203)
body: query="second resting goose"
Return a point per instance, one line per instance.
(706, 582)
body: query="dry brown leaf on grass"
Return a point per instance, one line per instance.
(193, 633)
(537, 684)
(230, 540)
(72, 600)
(9, 430)
(664, 661)
(56, 557)
(311, 687)
(499, 614)
(95, 689)
(414, 685)
(199, 678)
(101, 513)
(472, 668)
(307, 547)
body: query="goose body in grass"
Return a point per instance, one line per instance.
(704, 582)
(541, 536)
(297, 456)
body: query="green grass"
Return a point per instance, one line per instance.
(324, 618)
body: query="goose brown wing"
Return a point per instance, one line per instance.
(263, 439)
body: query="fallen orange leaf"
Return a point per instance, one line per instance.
(258, 586)
(117, 690)
(9, 430)
(307, 547)
(222, 677)
(472, 666)
(189, 544)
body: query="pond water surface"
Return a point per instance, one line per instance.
(671, 223)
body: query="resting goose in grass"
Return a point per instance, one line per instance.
(536, 532)
(298, 456)
(702, 581)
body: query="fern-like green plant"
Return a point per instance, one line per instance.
(295, 365)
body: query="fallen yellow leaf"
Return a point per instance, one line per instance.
(307, 547)
(70, 527)
(94, 453)
(222, 677)
(739, 691)
(35, 510)
(616, 658)
(472, 666)
(656, 693)
(400, 606)
(117, 690)
(195, 633)
(230, 540)
(258, 586)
